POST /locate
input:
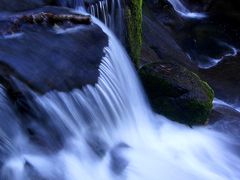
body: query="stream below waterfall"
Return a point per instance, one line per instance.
(108, 131)
(184, 11)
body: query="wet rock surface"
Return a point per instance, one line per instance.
(50, 50)
(159, 40)
(43, 50)
(164, 46)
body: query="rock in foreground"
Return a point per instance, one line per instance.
(177, 93)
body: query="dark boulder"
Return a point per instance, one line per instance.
(177, 93)
(60, 55)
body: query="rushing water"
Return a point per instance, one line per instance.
(184, 11)
(111, 13)
(108, 132)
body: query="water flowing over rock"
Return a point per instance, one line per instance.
(110, 12)
(115, 114)
(225, 118)
(184, 11)
(91, 119)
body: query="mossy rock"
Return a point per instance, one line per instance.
(133, 16)
(177, 93)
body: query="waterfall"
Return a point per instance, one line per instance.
(184, 11)
(110, 12)
(108, 132)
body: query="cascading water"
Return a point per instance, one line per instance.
(184, 11)
(110, 12)
(108, 132)
(214, 61)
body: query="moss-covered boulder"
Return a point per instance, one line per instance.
(177, 93)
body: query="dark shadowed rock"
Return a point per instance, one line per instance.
(47, 56)
(160, 41)
(21, 5)
(177, 93)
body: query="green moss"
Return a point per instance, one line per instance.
(209, 91)
(134, 27)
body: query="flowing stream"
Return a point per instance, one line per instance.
(109, 132)
(184, 11)
(212, 62)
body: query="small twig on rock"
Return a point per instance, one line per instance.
(47, 19)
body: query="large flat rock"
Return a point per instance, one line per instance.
(51, 56)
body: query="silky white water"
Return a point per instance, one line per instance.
(184, 11)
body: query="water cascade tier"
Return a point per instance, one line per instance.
(107, 131)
